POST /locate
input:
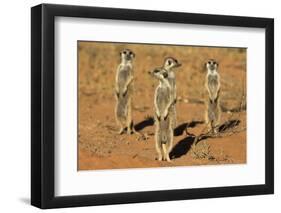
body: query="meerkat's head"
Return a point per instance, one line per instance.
(212, 65)
(159, 73)
(171, 63)
(127, 55)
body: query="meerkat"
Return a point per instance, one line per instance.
(124, 92)
(163, 101)
(212, 84)
(170, 64)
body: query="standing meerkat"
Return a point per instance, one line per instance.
(170, 64)
(162, 103)
(212, 84)
(124, 92)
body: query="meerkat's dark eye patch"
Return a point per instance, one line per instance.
(209, 62)
(132, 54)
(156, 71)
(176, 61)
(169, 62)
(165, 75)
(124, 52)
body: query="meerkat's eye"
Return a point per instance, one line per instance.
(169, 62)
(156, 71)
(165, 75)
(124, 52)
(209, 62)
(176, 61)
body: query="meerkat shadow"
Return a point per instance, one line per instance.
(149, 121)
(182, 127)
(228, 125)
(182, 147)
(233, 110)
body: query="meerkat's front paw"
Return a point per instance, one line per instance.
(158, 116)
(124, 93)
(165, 114)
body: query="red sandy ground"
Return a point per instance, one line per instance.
(99, 145)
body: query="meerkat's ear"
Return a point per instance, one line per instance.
(205, 65)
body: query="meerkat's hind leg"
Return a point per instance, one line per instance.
(163, 146)
(168, 157)
(207, 120)
(130, 128)
(159, 150)
(210, 118)
(215, 124)
(216, 127)
(129, 120)
(165, 152)
(122, 129)
(160, 157)
(208, 123)
(218, 117)
(130, 124)
(170, 146)
(174, 117)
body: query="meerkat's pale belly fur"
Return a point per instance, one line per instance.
(124, 96)
(213, 85)
(164, 130)
(124, 75)
(162, 99)
(213, 101)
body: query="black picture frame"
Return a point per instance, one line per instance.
(43, 102)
